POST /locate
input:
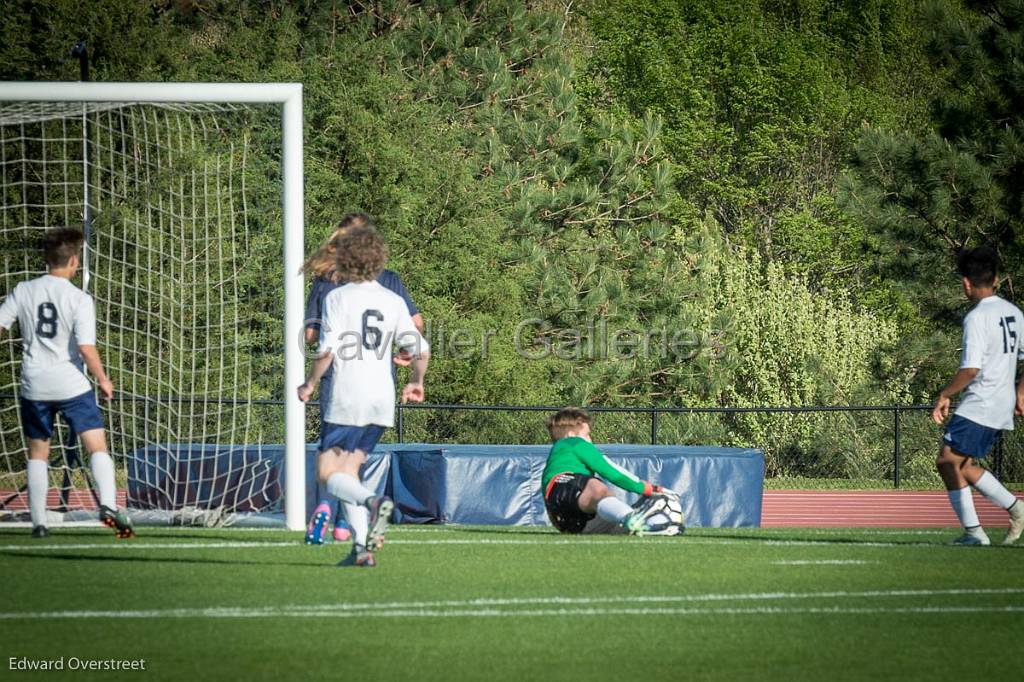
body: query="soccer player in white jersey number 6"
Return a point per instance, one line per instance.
(58, 331)
(988, 363)
(361, 322)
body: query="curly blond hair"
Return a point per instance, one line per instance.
(324, 260)
(361, 255)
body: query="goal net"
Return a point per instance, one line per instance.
(182, 206)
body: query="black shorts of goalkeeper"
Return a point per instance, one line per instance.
(561, 500)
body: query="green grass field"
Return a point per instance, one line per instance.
(475, 603)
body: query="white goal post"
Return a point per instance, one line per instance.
(287, 98)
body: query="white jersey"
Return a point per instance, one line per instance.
(992, 344)
(54, 317)
(361, 323)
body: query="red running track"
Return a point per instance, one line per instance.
(77, 499)
(869, 509)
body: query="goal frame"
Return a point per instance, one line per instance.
(289, 95)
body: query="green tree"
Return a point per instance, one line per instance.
(643, 166)
(926, 196)
(761, 104)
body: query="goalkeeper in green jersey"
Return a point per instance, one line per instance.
(573, 496)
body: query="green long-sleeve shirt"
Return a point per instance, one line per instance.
(577, 456)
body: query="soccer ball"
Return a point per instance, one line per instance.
(664, 515)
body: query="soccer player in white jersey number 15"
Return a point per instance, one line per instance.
(57, 321)
(988, 363)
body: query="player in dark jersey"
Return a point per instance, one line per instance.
(322, 267)
(362, 323)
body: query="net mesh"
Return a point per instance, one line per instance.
(182, 207)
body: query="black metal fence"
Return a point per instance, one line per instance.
(838, 445)
(867, 444)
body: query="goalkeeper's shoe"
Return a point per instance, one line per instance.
(359, 556)
(636, 524)
(40, 532)
(380, 507)
(1016, 523)
(973, 537)
(118, 521)
(316, 531)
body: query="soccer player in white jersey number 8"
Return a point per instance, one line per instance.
(57, 321)
(361, 322)
(988, 362)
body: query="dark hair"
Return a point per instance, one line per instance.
(361, 255)
(565, 420)
(979, 265)
(60, 244)
(356, 219)
(324, 262)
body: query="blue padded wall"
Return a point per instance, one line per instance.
(500, 484)
(468, 484)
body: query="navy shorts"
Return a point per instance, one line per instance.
(350, 437)
(968, 438)
(81, 413)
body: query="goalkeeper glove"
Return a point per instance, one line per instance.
(671, 494)
(651, 489)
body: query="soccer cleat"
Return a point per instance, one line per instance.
(341, 532)
(118, 521)
(380, 507)
(636, 524)
(40, 532)
(1016, 523)
(316, 531)
(359, 556)
(973, 537)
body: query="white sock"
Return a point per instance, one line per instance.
(989, 486)
(347, 489)
(613, 509)
(359, 520)
(963, 505)
(38, 485)
(103, 472)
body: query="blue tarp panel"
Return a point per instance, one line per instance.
(471, 484)
(500, 484)
(238, 477)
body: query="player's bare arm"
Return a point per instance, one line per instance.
(95, 366)
(320, 366)
(960, 381)
(413, 391)
(1019, 410)
(403, 357)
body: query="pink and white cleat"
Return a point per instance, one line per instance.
(316, 532)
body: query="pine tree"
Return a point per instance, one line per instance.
(962, 184)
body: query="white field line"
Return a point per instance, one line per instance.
(566, 606)
(504, 613)
(399, 529)
(130, 544)
(527, 613)
(546, 540)
(63, 524)
(823, 562)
